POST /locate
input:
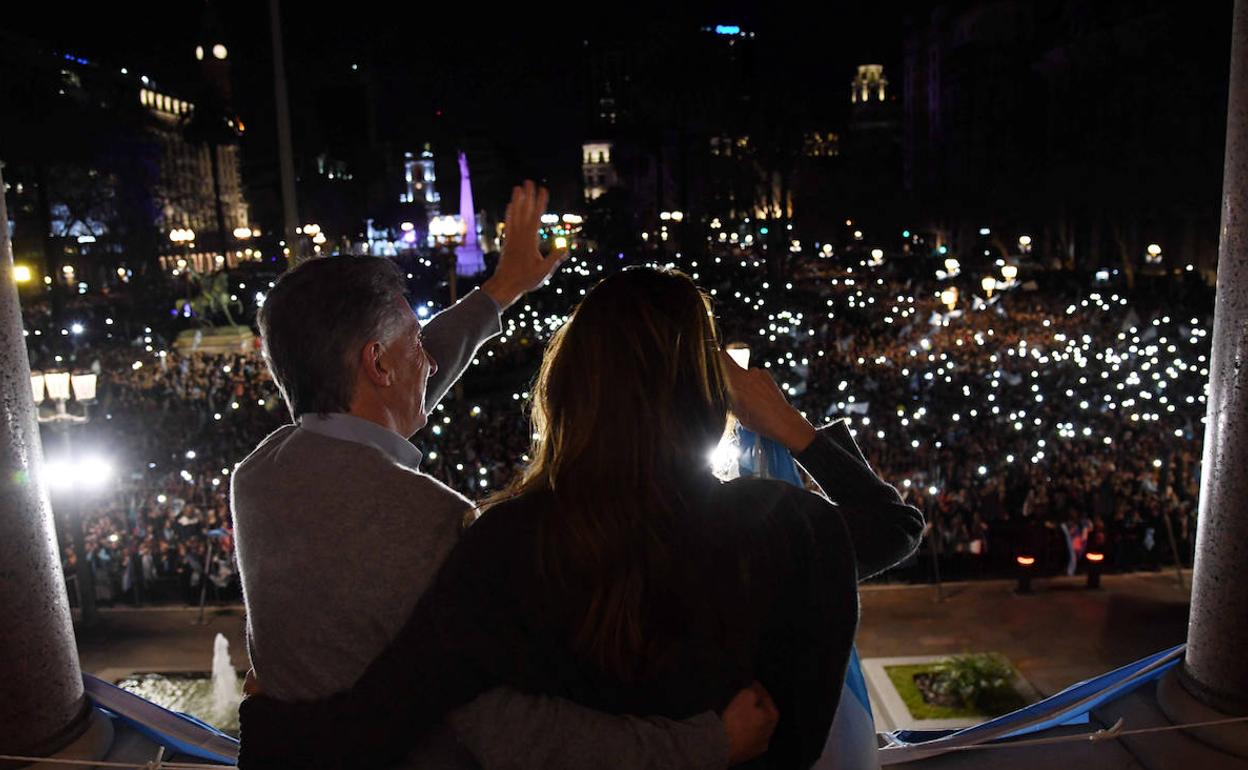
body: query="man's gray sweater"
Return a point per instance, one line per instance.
(336, 542)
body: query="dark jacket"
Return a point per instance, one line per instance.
(764, 588)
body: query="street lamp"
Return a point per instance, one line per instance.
(1026, 564)
(448, 231)
(58, 386)
(21, 273)
(950, 297)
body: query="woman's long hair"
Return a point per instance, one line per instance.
(630, 400)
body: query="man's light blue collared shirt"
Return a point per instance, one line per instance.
(347, 427)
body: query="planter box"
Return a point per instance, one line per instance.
(889, 701)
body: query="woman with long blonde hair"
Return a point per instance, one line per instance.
(616, 570)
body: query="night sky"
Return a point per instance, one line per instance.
(508, 76)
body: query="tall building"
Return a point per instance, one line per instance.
(1095, 128)
(191, 183)
(660, 104)
(109, 161)
(872, 188)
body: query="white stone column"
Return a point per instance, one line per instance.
(43, 707)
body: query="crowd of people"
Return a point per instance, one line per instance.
(1052, 418)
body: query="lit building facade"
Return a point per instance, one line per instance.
(420, 181)
(597, 171)
(869, 85)
(185, 190)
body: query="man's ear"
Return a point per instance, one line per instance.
(373, 364)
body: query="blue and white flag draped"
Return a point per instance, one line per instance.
(181, 733)
(1070, 706)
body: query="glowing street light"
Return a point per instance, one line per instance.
(1153, 255)
(950, 297)
(952, 266)
(21, 273)
(1026, 563)
(87, 473)
(58, 385)
(1024, 243)
(989, 284)
(447, 229)
(1009, 273)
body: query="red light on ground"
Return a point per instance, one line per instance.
(1026, 561)
(1092, 556)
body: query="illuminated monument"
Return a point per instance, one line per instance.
(468, 256)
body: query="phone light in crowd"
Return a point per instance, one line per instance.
(561, 242)
(1025, 242)
(952, 266)
(1009, 273)
(989, 285)
(1153, 254)
(407, 227)
(21, 273)
(950, 297)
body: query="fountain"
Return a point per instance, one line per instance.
(225, 691)
(211, 698)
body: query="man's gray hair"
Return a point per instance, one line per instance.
(317, 318)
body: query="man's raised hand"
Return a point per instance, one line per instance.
(521, 266)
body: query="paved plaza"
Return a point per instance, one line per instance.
(1058, 635)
